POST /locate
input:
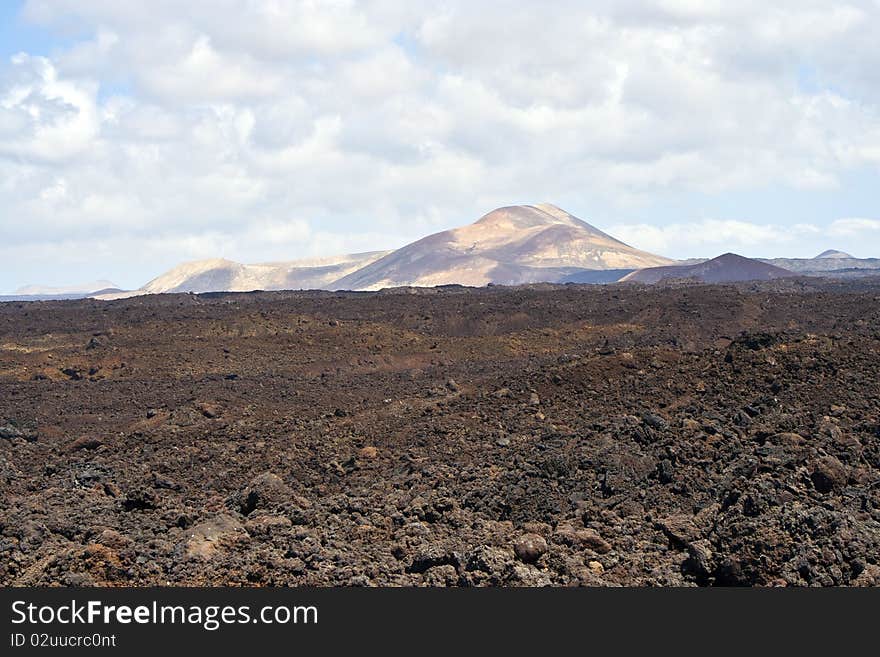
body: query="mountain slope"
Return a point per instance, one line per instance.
(510, 245)
(219, 275)
(727, 268)
(81, 289)
(825, 263)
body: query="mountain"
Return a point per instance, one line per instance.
(827, 263)
(82, 289)
(511, 245)
(225, 275)
(727, 268)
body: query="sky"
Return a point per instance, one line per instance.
(135, 136)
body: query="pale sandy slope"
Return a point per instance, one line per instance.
(217, 275)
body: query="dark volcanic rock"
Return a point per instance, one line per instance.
(705, 435)
(828, 474)
(264, 491)
(530, 547)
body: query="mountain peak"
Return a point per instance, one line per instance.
(729, 257)
(525, 216)
(510, 245)
(552, 210)
(512, 218)
(833, 253)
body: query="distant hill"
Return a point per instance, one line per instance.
(220, 275)
(727, 268)
(65, 290)
(41, 297)
(509, 246)
(825, 263)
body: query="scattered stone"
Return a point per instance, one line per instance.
(828, 473)
(442, 575)
(654, 421)
(502, 441)
(113, 540)
(489, 560)
(501, 393)
(140, 499)
(265, 491)
(665, 471)
(700, 559)
(534, 399)
(530, 547)
(86, 442)
(260, 524)
(787, 439)
(527, 575)
(680, 529)
(209, 409)
(432, 558)
(158, 481)
(591, 539)
(870, 576)
(452, 385)
(9, 432)
(595, 567)
(368, 452)
(206, 538)
(689, 424)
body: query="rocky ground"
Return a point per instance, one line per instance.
(554, 435)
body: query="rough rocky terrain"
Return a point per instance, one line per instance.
(552, 435)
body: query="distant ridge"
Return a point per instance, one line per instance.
(220, 275)
(726, 268)
(64, 290)
(509, 246)
(826, 263)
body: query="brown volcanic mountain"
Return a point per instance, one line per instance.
(727, 268)
(511, 245)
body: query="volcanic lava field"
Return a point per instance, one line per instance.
(544, 435)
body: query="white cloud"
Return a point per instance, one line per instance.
(45, 117)
(708, 236)
(388, 117)
(854, 227)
